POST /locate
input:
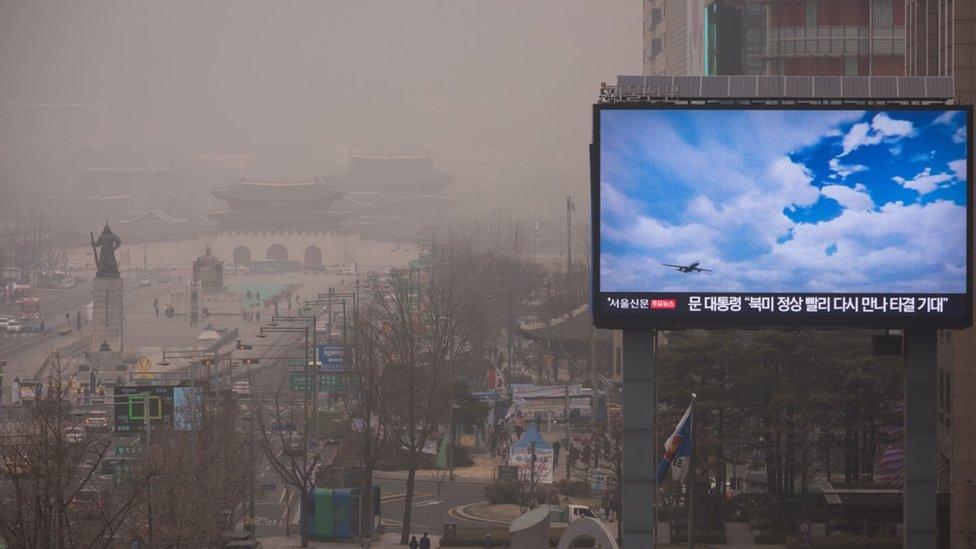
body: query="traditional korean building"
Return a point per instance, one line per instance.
(393, 197)
(281, 221)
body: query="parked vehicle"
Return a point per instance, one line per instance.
(294, 447)
(14, 326)
(145, 282)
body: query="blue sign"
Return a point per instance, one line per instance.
(269, 486)
(332, 358)
(283, 427)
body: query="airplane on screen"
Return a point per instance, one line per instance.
(693, 268)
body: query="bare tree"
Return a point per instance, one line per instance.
(291, 451)
(178, 466)
(52, 495)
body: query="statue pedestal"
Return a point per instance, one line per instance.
(107, 315)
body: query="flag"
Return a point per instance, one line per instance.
(514, 413)
(677, 450)
(441, 462)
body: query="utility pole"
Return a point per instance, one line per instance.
(569, 242)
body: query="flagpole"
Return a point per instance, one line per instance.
(691, 475)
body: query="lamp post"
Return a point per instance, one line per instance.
(509, 321)
(274, 328)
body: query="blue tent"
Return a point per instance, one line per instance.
(531, 435)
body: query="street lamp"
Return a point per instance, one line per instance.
(509, 323)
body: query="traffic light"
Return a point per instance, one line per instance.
(249, 361)
(243, 346)
(208, 362)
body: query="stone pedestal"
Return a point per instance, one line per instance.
(107, 315)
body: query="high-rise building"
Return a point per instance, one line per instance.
(776, 37)
(673, 37)
(941, 41)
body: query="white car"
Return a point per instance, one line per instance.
(14, 326)
(145, 282)
(241, 388)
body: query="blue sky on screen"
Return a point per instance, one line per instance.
(828, 201)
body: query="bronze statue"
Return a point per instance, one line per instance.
(105, 259)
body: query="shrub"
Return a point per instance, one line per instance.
(501, 492)
(574, 488)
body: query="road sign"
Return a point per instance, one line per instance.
(283, 427)
(332, 382)
(804, 534)
(269, 486)
(332, 358)
(296, 362)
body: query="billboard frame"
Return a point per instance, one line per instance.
(772, 320)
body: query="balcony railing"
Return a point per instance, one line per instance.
(839, 41)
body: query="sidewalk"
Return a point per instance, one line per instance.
(387, 541)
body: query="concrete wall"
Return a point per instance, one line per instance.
(335, 248)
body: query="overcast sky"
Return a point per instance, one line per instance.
(300, 77)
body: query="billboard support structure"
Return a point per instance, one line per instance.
(920, 525)
(919, 520)
(639, 405)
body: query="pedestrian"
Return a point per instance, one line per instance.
(414, 544)
(258, 296)
(248, 294)
(67, 319)
(425, 542)
(156, 306)
(1, 386)
(257, 316)
(78, 320)
(555, 452)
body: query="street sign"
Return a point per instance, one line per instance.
(296, 362)
(332, 358)
(283, 427)
(269, 486)
(333, 382)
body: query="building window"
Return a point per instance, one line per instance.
(850, 66)
(811, 13)
(657, 46)
(657, 15)
(882, 13)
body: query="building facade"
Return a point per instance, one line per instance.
(774, 37)
(941, 41)
(281, 221)
(835, 38)
(674, 37)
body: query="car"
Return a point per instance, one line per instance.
(14, 327)
(162, 280)
(96, 420)
(145, 282)
(4, 322)
(74, 435)
(242, 388)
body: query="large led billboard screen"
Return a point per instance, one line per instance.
(781, 216)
